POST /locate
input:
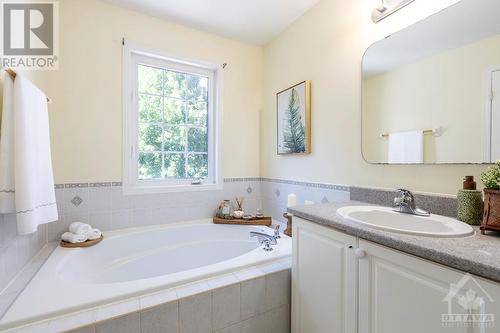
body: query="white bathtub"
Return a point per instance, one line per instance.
(138, 261)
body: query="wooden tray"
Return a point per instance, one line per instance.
(84, 244)
(267, 221)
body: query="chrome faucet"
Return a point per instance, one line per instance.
(264, 239)
(405, 203)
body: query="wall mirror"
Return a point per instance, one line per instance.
(431, 92)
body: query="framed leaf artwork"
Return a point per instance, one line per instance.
(294, 119)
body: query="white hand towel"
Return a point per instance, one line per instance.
(7, 181)
(73, 238)
(406, 147)
(80, 228)
(94, 234)
(27, 144)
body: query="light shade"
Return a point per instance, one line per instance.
(387, 8)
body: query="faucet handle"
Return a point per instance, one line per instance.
(277, 231)
(403, 191)
(406, 195)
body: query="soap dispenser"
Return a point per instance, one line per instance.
(470, 202)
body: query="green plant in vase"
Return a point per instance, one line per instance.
(491, 177)
(491, 215)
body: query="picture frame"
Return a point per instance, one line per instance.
(293, 111)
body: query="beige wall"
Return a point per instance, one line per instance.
(86, 116)
(447, 90)
(326, 46)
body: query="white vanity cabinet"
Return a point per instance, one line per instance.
(323, 280)
(400, 293)
(370, 288)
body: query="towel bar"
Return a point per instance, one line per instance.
(13, 75)
(438, 131)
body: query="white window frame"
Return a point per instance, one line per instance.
(132, 57)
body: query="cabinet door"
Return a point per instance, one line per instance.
(323, 280)
(402, 293)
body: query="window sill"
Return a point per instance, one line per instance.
(158, 189)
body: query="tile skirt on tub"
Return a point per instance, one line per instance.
(258, 305)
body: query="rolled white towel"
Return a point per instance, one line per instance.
(94, 234)
(73, 238)
(80, 228)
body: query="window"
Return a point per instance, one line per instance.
(171, 124)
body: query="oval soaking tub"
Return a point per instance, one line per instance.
(138, 261)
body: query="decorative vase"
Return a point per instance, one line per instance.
(470, 206)
(491, 214)
(238, 214)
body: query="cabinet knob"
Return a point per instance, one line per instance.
(359, 253)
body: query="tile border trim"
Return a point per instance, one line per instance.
(326, 186)
(308, 184)
(119, 184)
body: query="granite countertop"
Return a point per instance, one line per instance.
(477, 254)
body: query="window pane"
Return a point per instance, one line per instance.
(197, 165)
(149, 108)
(172, 123)
(174, 139)
(197, 140)
(175, 84)
(174, 166)
(175, 111)
(196, 88)
(149, 165)
(197, 113)
(150, 80)
(149, 137)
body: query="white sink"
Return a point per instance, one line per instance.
(385, 218)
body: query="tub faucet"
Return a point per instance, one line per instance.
(264, 239)
(405, 203)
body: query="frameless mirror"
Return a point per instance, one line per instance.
(431, 92)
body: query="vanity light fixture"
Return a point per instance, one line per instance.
(388, 7)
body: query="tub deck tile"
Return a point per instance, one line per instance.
(117, 309)
(148, 301)
(71, 321)
(192, 289)
(249, 274)
(222, 281)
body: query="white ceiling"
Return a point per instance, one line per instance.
(251, 21)
(464, 23)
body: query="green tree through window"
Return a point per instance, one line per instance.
(173, 124)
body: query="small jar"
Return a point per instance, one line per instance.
(226, 209)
